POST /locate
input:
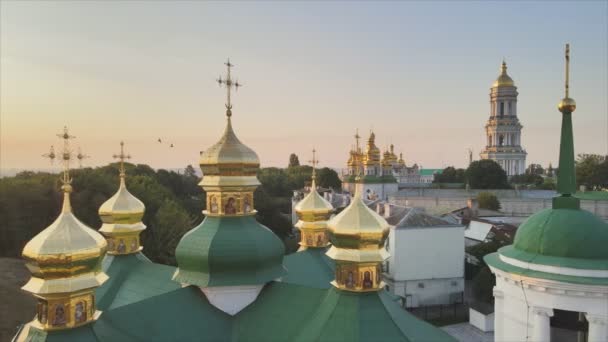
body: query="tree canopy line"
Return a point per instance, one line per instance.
(591, 171)
(30, 202)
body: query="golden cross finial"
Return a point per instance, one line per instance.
(357, 137)
(80, 156)
(567, 70)
(229, 84)
(51, 155)
(66, 156)
(122, 156)
(314, 163)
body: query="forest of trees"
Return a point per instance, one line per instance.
(30, 201)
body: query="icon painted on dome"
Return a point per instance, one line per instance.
(121, 246)
(59, 318)
(133, 244)
(367, 280)
(80, 314)
(213, 207)
(350, 280)
(230, 208)
(320, 240)
(247, 204)
(308, 240)
(43, 307)
(111, 244)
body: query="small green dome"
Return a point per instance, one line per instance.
(229, 251)
(563, 233)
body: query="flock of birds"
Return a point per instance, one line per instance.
(160, 141)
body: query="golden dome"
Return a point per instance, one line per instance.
(358, 234)
(313, 207)
(122, 209)
(229, 157)
(503, 79)
(401, 161)
(66, 256)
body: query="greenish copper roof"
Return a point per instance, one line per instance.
(225, 251)
(564, 233)
(133, 277)
(282, 312)
(430, 172)
(494, 261)
(310, 267)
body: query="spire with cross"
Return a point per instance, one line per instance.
(66, 157)
(229, 84)
(122, 156)
(314, 163)
(51, 155)
(80, 156)
(357, 137)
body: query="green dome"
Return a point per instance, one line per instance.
(563, 233)
(229, 251)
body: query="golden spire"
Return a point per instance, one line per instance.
(229, 84)
(357, 137)
(313, 211)
(503, 80)
(65, 262)
(121, 215)
(567, 104)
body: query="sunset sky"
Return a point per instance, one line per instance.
(417, 73)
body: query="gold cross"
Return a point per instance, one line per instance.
(51, 155)
(66, 155)
(357, 137)
(80, 156)
(122, 156)
(567, 70)
(229, 84)
(314, 163)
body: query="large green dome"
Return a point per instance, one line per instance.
(561, 233)
(229, 251)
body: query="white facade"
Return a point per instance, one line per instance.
(426, 264)
(481, 321)
(503, 129)
(524, 305)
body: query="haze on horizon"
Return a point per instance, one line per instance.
(417, 73)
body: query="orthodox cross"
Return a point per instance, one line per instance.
(229, 84)
(314, 163)
(80, 156)
(51, 155)
(122, 156)
(357, 137)
(66, 155)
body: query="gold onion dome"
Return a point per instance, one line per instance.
(66, 256)
(121, 215)
(372, 152)
(358, 235)
(229, 157)
(503, 80)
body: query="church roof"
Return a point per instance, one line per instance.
(311, 315)
(310, 267)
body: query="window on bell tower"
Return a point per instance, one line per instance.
(502, 109)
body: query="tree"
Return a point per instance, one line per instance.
(488, 200)
(592, 171)
(483, 284)
(293, 160)
(535, 169)
(450, 175)
(328, 178)
(486, 174)
(528, 179)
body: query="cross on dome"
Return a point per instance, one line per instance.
(229, 84)
(66, 156)
(122, 156)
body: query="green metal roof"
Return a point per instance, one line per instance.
(226, 251)
(310, 267)
(593, 195)
(282, 312)
(430, 172)
(494, 261)
(133, 277)
(565, 233)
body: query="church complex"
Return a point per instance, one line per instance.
(233, 281)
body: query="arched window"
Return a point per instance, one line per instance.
(490, 140)
(502, 109)
(501, 139)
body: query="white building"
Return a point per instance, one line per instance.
(426, 266)
(503, 129)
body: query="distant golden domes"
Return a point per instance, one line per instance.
(503, 79)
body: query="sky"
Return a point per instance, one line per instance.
(417, 73)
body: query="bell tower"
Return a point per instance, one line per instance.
(503, 129)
